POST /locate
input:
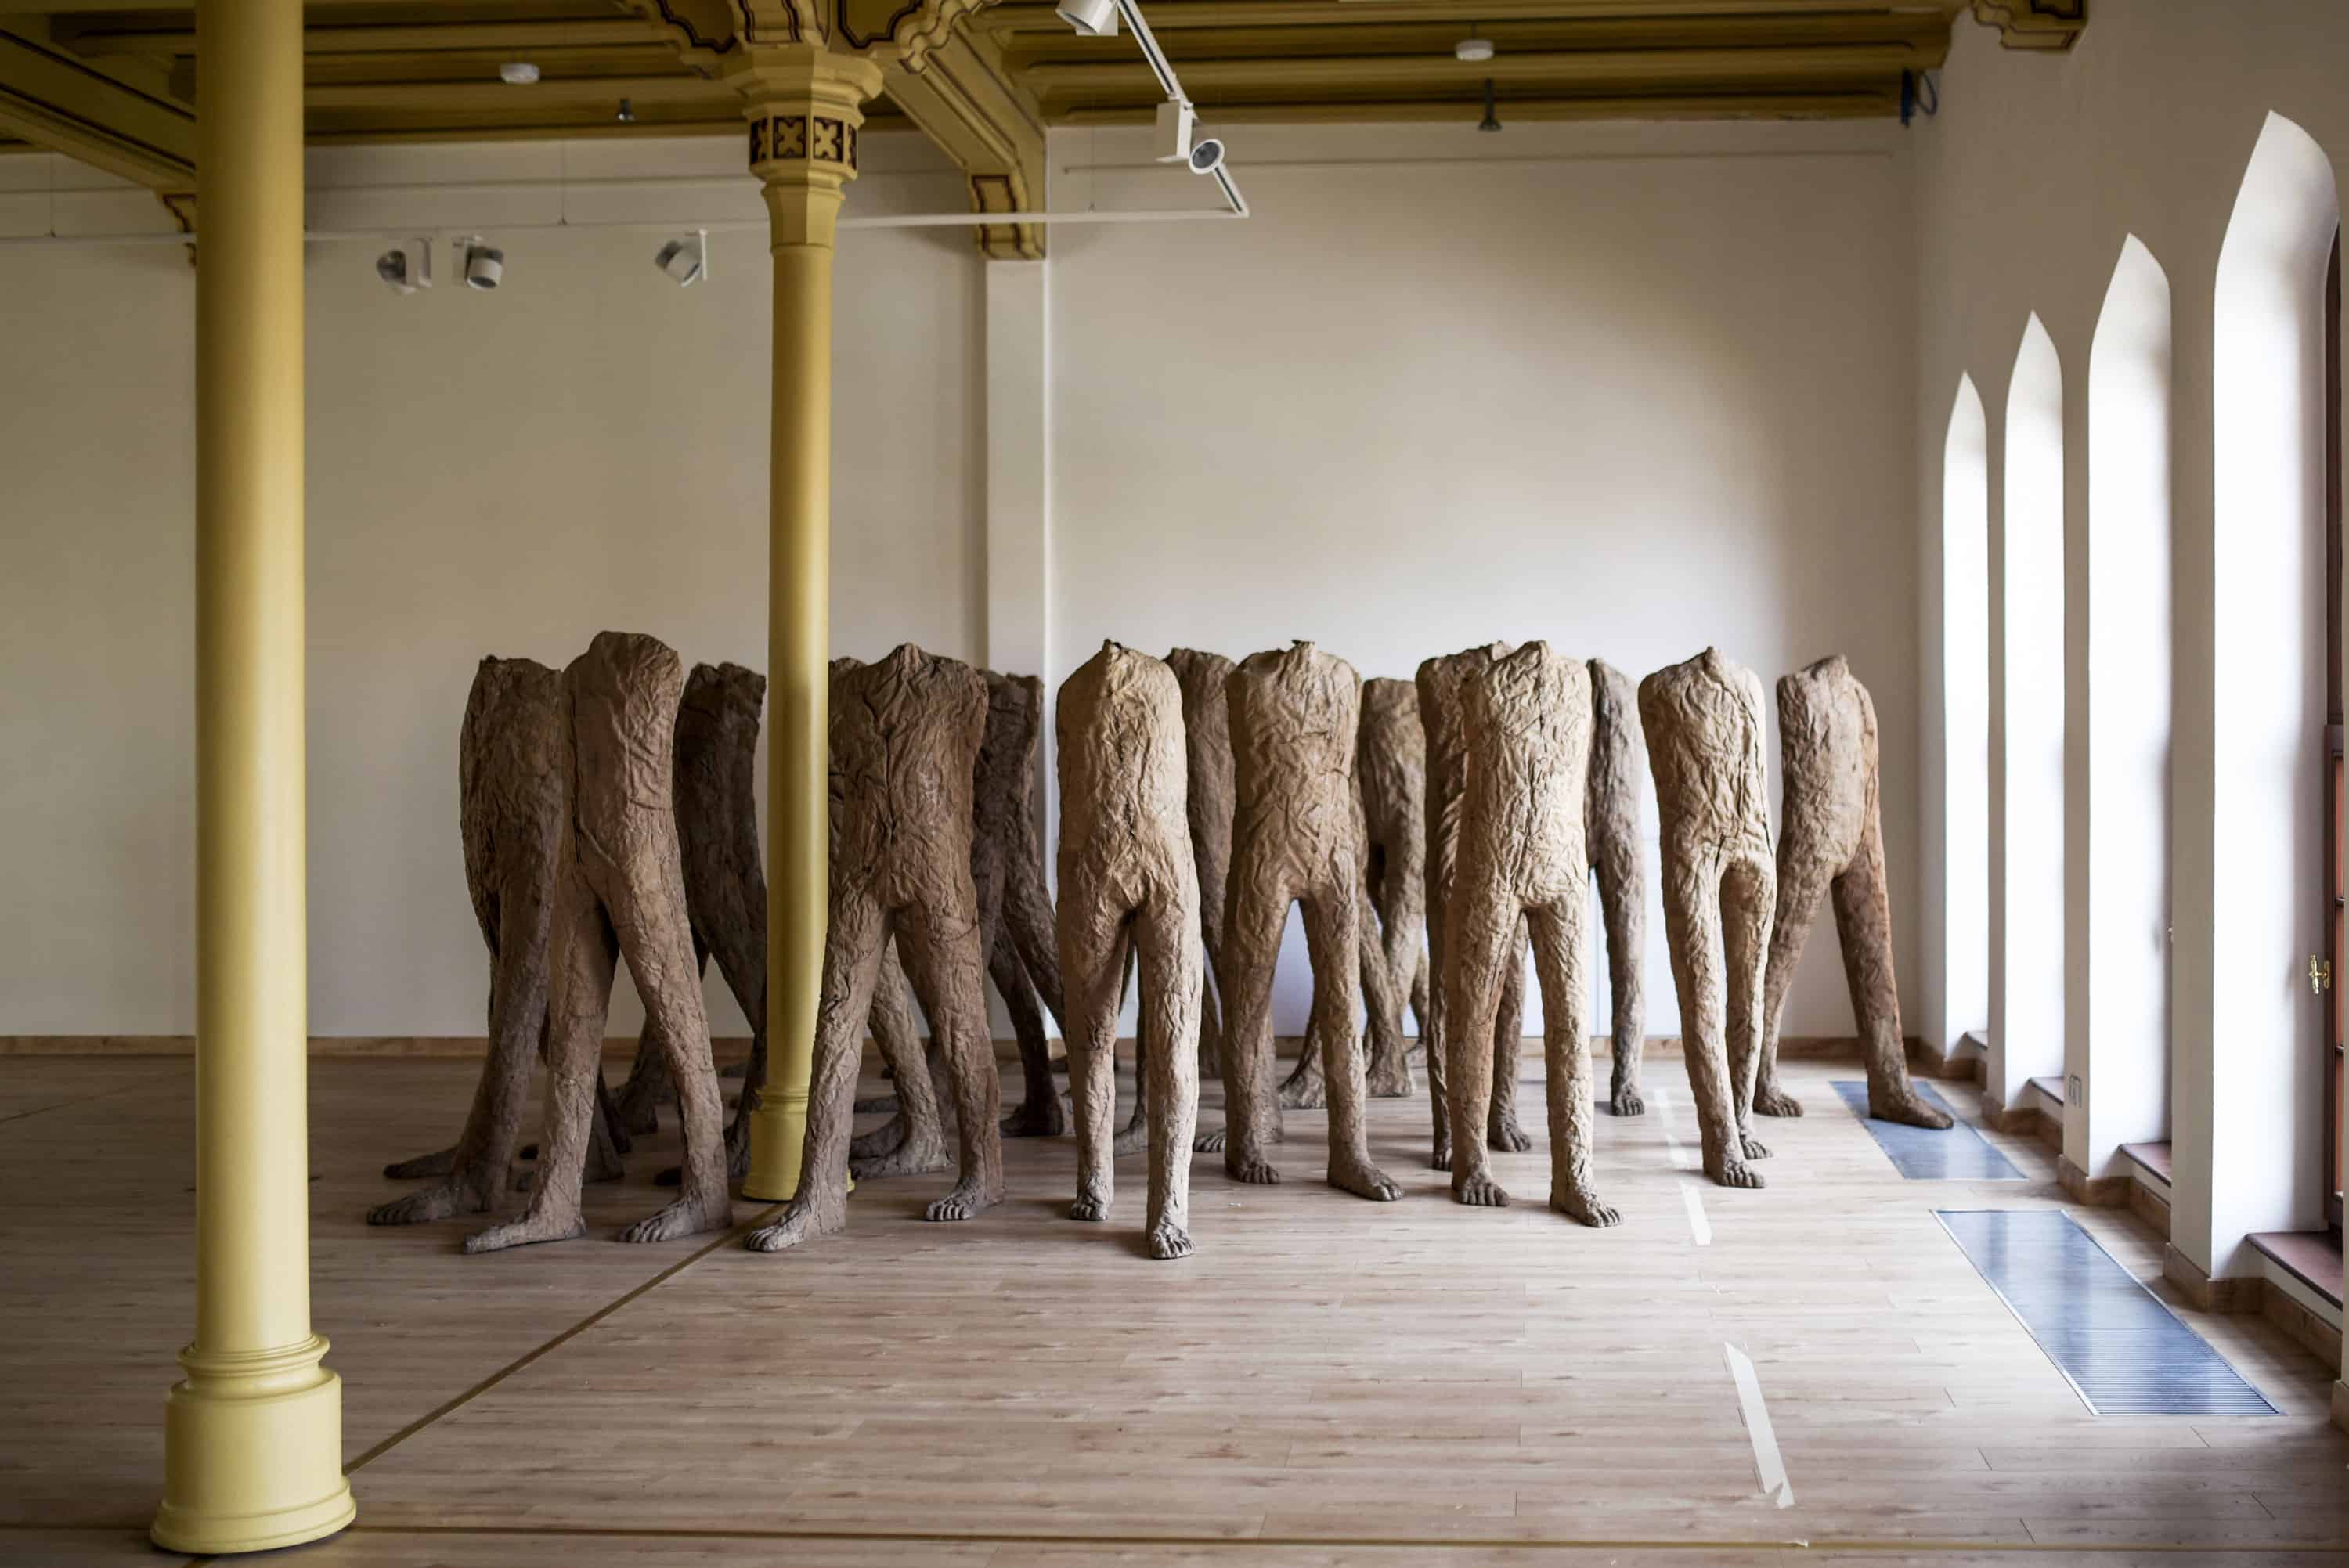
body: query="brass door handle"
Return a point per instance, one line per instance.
(2320, 975)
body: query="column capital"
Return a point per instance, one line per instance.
(805, 104)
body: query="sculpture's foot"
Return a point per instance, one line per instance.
(1771, 1101)
(1626, 1101)
(527, 1231)
(1732, 1173)
(876, 1105)
(1581, 1203)
(637, 1116)
(440, 1200)
(1209, 1142)
(1254, 1170)
(911, 1158)
(734, 1069)
(1038, 1118)
(1307, 1093)
(967, 1198)
(1477, 1190)
(686, 1217)
(1417, 1054)
(738, 1147)
(1390, 1079)
(439, 1164)
(806, 1219)
(1092, 1204)
(1363, 1180)
(1132, 1139)
(881, 1141)
(1439, 1158)
(1507, 1137)
(1910, 1110)
(1168, 1240)
(1755, 1148)
(602, 1164)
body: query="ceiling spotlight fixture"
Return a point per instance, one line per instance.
(485, 264)
(1093, 18)
(1473, 49)
(685, 260)
(1491, 121)
(627, 115)
(517, 73)
(406, 268)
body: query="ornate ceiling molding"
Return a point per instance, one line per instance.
(2034, 23)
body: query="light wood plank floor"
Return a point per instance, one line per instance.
(1327, 1381)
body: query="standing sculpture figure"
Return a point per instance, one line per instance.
(1704, 720)
(1390, 764)
(1619, 777)
(1832, 839)
(905, 739)
(619, 891)
(1015, 909)
(1440, 717)
(1522, 859)
(509, 817)
(1128, 882)
(1294, 839)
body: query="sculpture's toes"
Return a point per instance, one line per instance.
(1626, 1101)
(967, 1199)
(1776, 1101)
(738, 1151)
(1478, 1192)
(1755, 1148)
(1364, 1182)
(1733, 1173)
(1586, 1207)
(528, 1230)
(1168, 1242)
(1304, 1094)
(1440, 1157)
(438, 1201)
(800, 1222)
(883, 1139)
(1910, 1110)
(1507, 1137)
(1390, 1080)
(1256, 1172)
(905, 1160)
(686, 1217)
(437, 1164)
(1209, 1142)
(1038, 1118)
(876, 1105)
(1091, 1206)
(1132, 1139)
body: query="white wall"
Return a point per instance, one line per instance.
(1635, 389)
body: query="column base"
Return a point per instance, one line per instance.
(252, 1452)
(778, 1139)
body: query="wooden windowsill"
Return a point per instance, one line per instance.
(2153, 1157)
(2311, 1257)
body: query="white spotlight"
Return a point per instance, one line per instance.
(1093, 18)
(406, 268)
(686, 260)
(485, 264)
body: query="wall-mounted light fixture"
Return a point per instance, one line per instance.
(685, 260)
(406, 268)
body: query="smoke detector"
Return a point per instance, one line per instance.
(1475, 51)
(518, 73)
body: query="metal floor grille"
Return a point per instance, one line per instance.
(1960, 1154)
(2122, 1350)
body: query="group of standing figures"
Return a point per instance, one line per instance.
(609, 812)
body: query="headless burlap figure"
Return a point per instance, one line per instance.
(510, 816)
(1619, 777)
(1128, 881)
(1294, 839)
(1832, 841)
(1441, 719)
(1526, 719)
(1015, 909)
(904, 739)
(619, 891)
(1704, 720)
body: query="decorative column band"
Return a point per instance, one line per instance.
(781, 136)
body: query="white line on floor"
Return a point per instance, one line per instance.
(1699, 1227)
(1673, 1149)
(1768, 1467)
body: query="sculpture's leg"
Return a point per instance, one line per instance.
(667, 960)
(518, 988)
(1433, 1033)
(1561, 942)
(1041, 1113)
(941, 950)
(1502, 1129)
(1028, 919)
(1306, 1087)
(1389, 1074)
(1479, 930)
(1092, 970)
(1420, 1002)
(1623, 903)
(1251, 944)
(1863, 921)
(606, 1141)
(1802, 887)
(741, 954)
(583, 951)
(1692, 916)
(1748, 892)
(1171, 963)
(1135, 1135)
(1211, 1020)
(914, 1141)
(1330, 938)
(857, 933)
(648, 1087)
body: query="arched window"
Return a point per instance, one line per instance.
(1964, 904)
(2029, 1029)
(2269, 756)
(2125, 1055)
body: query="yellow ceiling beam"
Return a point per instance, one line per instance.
(495, 97)
(1178, 16)
(968, 103)
(1309, 78)
(91, 40)
(1926, 35)
(57, 102)
(1856, 104)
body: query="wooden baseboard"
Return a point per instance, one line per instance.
(2100, 1192)
(2150, 1208)
(2310, 1332)
(2240, 1294)
(2341, 1404)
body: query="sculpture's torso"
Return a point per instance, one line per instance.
(1828, 740)
(905, 736)
(1704, 722)
(1122, 784)
(1294, 715)
(1526, 721)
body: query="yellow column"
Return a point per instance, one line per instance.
(805, 106)
(253, 1437)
